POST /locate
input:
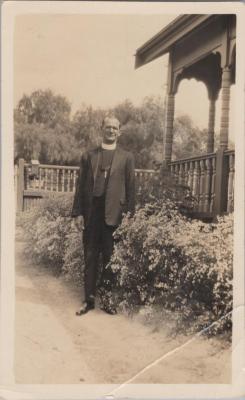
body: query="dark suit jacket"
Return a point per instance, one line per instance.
(120, 193)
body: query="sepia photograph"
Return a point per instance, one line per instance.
(126, 198)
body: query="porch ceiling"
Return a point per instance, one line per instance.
(162, 42)
(207, 70)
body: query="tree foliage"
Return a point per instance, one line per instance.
(45, 130)
(189, 140)
(86, 126)
(142, 129)
(43, 107)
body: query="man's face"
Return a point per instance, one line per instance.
(110, 130)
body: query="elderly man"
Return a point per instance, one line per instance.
(105, 189)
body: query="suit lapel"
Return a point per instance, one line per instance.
(95, 161)
(116, 160)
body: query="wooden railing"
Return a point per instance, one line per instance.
(210, 183)
(199, 174)
(51, 178)
(54, 178)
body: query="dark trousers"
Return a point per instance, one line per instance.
(97, 238)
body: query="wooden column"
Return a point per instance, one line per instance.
(168, 142)
(207, 195)
(225, 107)
(221, 182)
(211, 123)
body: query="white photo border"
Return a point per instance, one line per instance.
(8, 387)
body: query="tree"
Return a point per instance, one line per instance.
(44, 130)
(188, 140)
(140, 126)
(44, 107)
(27, 141)
(126, 112)
(86, 126)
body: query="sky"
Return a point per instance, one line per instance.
(90, 59)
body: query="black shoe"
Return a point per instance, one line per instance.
(109, 309)
(86, 307)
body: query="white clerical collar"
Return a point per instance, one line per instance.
(107, 146)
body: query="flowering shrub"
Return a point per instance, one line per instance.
(73, 261)
(51, 237)
(163, 259)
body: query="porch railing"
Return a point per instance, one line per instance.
(198, 173)
(54, 178)
(31, 187)
(51, 178)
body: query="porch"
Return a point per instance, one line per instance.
(202, 47)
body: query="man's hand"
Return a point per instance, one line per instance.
(79, 223)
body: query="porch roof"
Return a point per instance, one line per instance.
(163, 41)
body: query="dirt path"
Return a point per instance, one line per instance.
(55, 346)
